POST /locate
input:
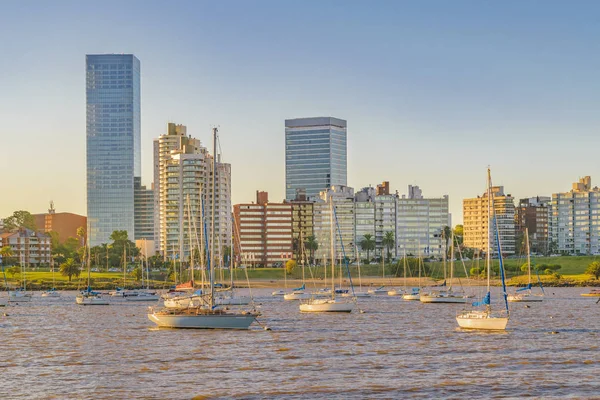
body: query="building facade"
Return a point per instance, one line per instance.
(113, 143)
(475, 221)
(263, 233)
(533, 214)
(315, 155)
(185, 191)
(420, 222)
(143, 211)
(64, 224)
(575, 220)
(344, 238)
(29, 248)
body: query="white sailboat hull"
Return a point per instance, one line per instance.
(52, 295)
(202, 321)
(424, 298)
(91, 301)
(481, 320)
(394, 293)
(516, 298)
(318, 305)
(278, 293)
(412, 296)
(296, 296)
(143, 297)
(377, 292)
(20, 297)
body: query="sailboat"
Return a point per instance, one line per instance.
(360, 292)
(487, 319)
(52, 293)
(415, 292)
(394, 292)
(329, 304)
(88, 297)
(206, 314)
(442, 295)
(299, 293)
(525, 294)
(380, 290)
(21, 295)
(144, 294)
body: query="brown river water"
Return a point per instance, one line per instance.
(54, 349)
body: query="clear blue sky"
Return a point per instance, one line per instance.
(433, 91)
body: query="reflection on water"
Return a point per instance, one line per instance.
(396, 349)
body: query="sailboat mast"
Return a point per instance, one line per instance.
(331, 233)
(451, 260)
(404, 259)
(124, 265)
(488, 257)
(212, 218)
(528, 254)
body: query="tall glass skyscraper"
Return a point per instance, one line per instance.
(113, 143)
(315, 155)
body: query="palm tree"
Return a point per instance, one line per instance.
(6, 252)
(389, 241)
(312, 245)
(70, 268)
(367, 244)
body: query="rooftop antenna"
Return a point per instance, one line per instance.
(51, 210)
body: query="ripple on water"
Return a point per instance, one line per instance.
(397, 349)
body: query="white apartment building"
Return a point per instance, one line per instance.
(343, 222)
(575, 219)
(385, 221)
(419, 224)
(185, 177)
(475, 221)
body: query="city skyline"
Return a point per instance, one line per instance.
(424, 91)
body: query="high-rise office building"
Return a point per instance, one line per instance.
(113, 143)
(315, 155)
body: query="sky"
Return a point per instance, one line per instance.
(433, 91)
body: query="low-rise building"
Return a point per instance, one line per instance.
(29, 248)
(64, 224)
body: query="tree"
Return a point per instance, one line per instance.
(6, 253)
(594, 269)
(389, 241)
(367, 244)
(289, 266)
(81, 235)
(20, 219)
(458, 234)
(137, 273)
(14, 270)
(69, 268)
(312, 245)
(446, 235)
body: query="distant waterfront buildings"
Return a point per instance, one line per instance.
(475, 221)
(343, 223)
(63, 223)
(534, 214)
(315, 155)
(575, 220)
(420, 223)
(113, 143)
